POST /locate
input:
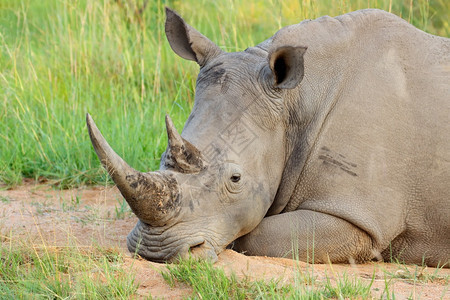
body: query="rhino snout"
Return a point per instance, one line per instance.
(162, 245)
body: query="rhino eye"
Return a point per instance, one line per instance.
(235, 178)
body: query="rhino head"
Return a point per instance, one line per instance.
(218, 179)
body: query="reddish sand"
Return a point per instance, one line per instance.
(92, 216)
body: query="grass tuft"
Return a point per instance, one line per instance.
(419, 274)
(64, 272)
(347, 287)
(209, 282)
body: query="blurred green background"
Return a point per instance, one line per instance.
(62, 58)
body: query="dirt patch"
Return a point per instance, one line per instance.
(97, 216)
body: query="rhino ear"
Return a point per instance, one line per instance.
(188, 42)
(287, 66)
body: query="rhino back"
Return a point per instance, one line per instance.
(378, 146)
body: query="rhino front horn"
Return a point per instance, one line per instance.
(181, 156)
(154, 197)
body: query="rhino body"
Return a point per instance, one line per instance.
(329, 141)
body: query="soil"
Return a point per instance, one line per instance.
(97, 216)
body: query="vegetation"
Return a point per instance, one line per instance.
(61, 58)
(209, 282)
(74, 272)
(63, 273)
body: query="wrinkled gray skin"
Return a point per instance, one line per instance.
(331, 137)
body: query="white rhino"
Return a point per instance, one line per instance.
(330, 140)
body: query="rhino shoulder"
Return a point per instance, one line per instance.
(327, 30)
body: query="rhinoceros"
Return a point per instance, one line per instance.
(329, 141)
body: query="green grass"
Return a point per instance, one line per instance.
(99, 273)
(347, 287)
(61, 58)
(30, 272)
(122, 210)
(210, 282)
(417, 274)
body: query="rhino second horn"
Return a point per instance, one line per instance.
(181, 155)
(154, 197)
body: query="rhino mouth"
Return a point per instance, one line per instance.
(166, 245)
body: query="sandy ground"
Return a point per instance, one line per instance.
(96, 216)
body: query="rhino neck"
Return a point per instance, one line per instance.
(297, 152)
(311, 104)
